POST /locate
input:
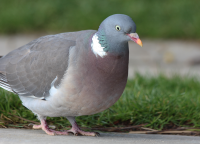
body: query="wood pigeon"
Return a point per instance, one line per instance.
(71, 74)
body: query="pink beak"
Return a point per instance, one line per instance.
(134, 37)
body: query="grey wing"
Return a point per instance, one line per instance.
(31, 69)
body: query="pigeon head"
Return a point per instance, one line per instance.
(115, 32)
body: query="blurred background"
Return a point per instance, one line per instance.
(155, 19)
(169, 29)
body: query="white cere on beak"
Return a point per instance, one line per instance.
(135, 35)
(96, 47)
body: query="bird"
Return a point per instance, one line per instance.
(71, 74)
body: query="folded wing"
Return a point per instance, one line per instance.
(31, 69)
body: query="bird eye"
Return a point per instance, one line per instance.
(117, 28)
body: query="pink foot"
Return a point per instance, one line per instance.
(49, 131)
(79, 131)
(76, 130)
(37, 126)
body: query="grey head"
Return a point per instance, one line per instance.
(115, 32)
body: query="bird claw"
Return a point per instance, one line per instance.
(76, 134)
(80, 132)
(31, 124)
(97, 134)
(75, 130)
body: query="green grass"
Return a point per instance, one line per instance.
(159, 101)
(154, 19)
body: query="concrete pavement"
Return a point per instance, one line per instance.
(21, 136)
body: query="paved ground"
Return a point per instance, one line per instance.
(19, 136)
(155, 56)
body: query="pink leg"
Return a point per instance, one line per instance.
(76, 130)
(45, 128)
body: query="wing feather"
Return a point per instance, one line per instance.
(30, 69)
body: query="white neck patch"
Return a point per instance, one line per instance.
(96, 47)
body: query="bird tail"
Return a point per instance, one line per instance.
(3, 80)
(4, 83)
